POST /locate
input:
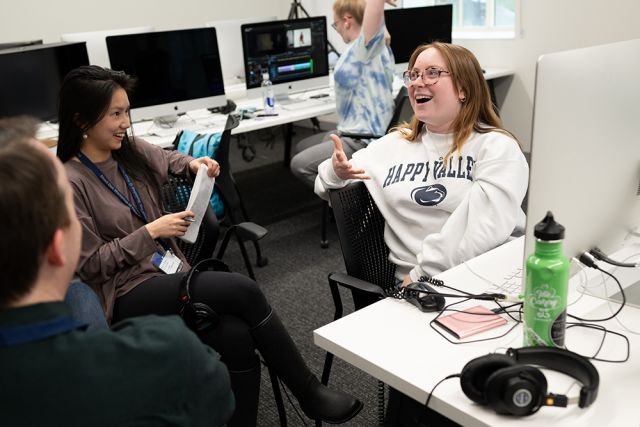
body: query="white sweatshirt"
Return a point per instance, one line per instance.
(437, 218)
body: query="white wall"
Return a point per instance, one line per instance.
(546, 26)
(41, 19)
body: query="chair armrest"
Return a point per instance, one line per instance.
(250, 231)
(350, 282)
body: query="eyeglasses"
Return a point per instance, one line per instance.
(429, 75)
(334, 26)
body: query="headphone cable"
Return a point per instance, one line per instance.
(448, 377)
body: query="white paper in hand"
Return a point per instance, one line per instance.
(198, 202)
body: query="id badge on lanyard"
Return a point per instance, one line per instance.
(168, 263)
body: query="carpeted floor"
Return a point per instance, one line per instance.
(295, 279)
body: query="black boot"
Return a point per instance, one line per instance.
(246, 389)
(316, 400)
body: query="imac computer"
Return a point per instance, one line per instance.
(177, 71)
(30, 77)
(585, 149)
(414, 26)
(230, 44)
(293, 52)
(96, 44)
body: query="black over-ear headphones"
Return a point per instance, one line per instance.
(199, 316)
(508, 384)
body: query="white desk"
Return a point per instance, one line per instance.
(392, 341)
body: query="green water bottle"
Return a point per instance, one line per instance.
(546, 286)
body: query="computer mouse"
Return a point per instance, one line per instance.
(424, 297)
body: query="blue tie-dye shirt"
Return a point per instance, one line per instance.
(363, 86)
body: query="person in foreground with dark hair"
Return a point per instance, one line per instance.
(116, 181)
(145, 371)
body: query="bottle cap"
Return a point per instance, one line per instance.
(548, 229)
(265, 76)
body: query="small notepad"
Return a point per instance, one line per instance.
(198, 202)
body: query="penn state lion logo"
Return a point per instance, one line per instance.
(431, 195)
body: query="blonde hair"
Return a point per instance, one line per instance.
(355, 8)
(477, 113)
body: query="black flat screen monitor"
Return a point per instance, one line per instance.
(30, 77)
(23, 43)
(293, 52)
(411, 27)
(177, 71)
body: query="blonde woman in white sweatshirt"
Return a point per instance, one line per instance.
(450, 183)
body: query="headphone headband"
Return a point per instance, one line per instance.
(564, 361)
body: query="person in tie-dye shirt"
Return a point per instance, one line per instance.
(363, 84)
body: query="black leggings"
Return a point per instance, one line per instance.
(237, 299)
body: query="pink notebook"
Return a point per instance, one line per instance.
(471, 321)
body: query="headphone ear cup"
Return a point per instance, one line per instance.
(475, 373)
(516, 390)
(205, 316)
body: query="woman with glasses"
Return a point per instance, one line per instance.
(363, 79)
(450, 183)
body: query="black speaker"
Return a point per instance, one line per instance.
(199, 316)
(510, 385)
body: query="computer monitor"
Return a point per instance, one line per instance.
(230, 44)
(293, 52)
(23, 43)
(585, 149)
(30, 77)
(414, 26)
(177, 71)
(96, 42)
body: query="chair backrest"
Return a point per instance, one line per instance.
(402, 111)
(361, 233)
(225, 183)
(175, 196)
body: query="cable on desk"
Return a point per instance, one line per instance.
(588, 260)
(448, 377)
(604, 336)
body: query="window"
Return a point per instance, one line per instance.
(478, 18)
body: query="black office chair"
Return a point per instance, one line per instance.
(175, 196)
(235, 212)
(235, 218)
(361, 233)
(402, 112)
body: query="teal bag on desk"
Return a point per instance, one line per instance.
(198, 145)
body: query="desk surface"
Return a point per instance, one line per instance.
(392, 341)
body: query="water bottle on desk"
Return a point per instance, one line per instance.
(546, 286)
(268, 99)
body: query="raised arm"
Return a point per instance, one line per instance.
(374, 17)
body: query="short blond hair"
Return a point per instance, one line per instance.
(355, 8)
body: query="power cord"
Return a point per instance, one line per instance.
(598, 254)
(587, 259)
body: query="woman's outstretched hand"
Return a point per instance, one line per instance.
(341, 165)
(170, 225)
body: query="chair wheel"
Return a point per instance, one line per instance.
(324, 244)
(262, 261)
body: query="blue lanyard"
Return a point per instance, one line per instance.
(23, 334)
(138, 209)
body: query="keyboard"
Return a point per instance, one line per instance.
(512, 283)
(175, 129)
